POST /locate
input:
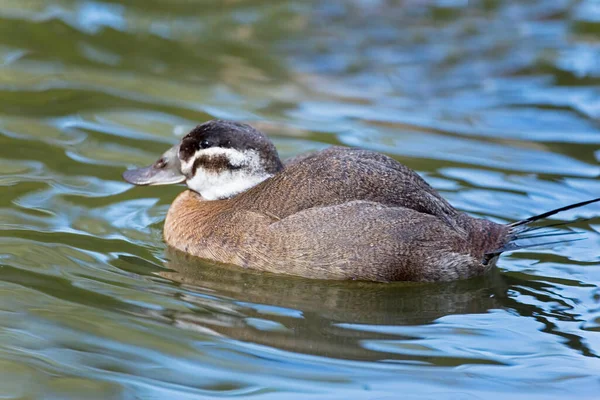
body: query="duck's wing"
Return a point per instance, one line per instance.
(365, 241)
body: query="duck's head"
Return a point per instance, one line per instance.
(217, 159)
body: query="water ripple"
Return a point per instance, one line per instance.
(493, 102)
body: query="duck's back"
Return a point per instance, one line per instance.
(339, 175)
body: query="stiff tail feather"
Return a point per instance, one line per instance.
(521, 230)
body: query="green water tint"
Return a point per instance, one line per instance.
(494, 102)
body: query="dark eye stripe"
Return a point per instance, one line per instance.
(213, 163)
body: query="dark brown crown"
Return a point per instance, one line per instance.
(234, 135)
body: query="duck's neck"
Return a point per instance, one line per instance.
(219, 188)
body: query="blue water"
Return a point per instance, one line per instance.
(496, 103)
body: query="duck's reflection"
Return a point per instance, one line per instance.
(304, 316)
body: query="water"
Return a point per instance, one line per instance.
(496, 103)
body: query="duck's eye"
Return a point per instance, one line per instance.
(160, 163)
(205, 144)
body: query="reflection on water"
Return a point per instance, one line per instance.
(314, 317)
(496, 103)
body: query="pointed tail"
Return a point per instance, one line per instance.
(552, 212)
(521, 230)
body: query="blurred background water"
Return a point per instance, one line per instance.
(495, 102)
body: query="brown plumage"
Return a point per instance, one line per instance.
(340, 213)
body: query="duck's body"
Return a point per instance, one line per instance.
(337, 214)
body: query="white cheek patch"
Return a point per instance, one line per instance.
(213, 185)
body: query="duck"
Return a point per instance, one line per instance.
(341, 213)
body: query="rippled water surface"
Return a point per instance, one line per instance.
(496, 103)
